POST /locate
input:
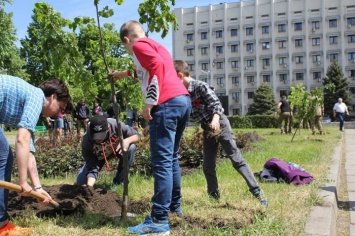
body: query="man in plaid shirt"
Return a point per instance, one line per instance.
(208, 110)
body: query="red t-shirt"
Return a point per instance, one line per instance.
(155, 69)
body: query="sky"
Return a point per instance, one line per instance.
(69, 9)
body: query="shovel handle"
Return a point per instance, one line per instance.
(18, 188)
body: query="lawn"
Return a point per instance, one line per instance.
(237, 212)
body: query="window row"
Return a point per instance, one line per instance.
(298, 26)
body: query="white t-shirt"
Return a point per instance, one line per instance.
(340, 107)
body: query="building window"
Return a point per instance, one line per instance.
(219, 34)
(265, 29)
(235, 96)
(282, 61)
(234, 32)
(299, 76)
(351, 56)
(236, 111)
(190, 37)
(235, 80)
(266, 78)
(351, 38)
(333, 39)
(316, 75)
(298, 26)
(333, 23)
(265, 45)
(266, 62)
(191, 67)
(204, 51)
(250, 95)
(299, 59)
(352, 73)
(250, 63)
(249, 31)
(250, 47)
(282, 44)
(190, 52)
(333, 57)
(219, 65)
(250, 79)
(316, 58)
(219, 49)
(204, 80)
(315, 41)
(281, 27)
(203, 35)
(315, 25)
(234, 48)
(204, 66)
(284, 93)
(351, 21)
(283, 77)
(298, 42)
(220, 80)
(234, 64)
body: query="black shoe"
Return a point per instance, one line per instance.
(215, 195)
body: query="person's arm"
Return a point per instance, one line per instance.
(346, 110)
(334, 111)
(22, 149)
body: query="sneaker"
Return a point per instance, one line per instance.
(215, 195)
(259, 194)
(148, 227)
(11, 229)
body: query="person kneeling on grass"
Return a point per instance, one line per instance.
(208, 110)
(100, 143)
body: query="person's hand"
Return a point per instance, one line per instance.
(125, 147)
(26, 189)
(48, 197)
(146, 131)
(116, 75)
(146, 112)
(215, 125)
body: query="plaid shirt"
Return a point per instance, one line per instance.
(205, 102)
(20, 103)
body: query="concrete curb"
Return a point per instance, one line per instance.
(322, 219)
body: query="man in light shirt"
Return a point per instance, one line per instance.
(339, 111)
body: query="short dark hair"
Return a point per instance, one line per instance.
(58, 87)
(181, 66)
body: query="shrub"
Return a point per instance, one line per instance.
(253, 121)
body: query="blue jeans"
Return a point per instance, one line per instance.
(340, 116)
(165, 130)
(82, 175)
(6, 162)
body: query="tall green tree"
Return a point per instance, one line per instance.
(10, 61)
(264, 102)
(335, 86)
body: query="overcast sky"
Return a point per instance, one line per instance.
(69, 9)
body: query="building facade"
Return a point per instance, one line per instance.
(237, 46)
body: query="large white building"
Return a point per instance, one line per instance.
(237, 46)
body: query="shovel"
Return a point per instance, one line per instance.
(18, 188)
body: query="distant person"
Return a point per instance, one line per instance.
(97, 110)
(100, 144)
(285, 115)
(110, 111)
(316, 120)
(59, 125)
(339, 111)
(68, 124)
(82, 114)
(129, 115)
(216, 130)
(21, 104)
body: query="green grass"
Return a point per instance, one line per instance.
(237, 213)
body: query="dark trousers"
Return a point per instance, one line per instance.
(340, 116)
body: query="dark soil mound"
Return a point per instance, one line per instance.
(73, 199)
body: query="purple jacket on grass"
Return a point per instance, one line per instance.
(290, 174)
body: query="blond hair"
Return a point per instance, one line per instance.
(131, 28)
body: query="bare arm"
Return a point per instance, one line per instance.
(22, 155)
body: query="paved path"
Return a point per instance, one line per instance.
(322, 219)
(350, 174)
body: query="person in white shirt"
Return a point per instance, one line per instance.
(339, 110)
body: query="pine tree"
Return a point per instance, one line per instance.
(264, 101)
(335, 86)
